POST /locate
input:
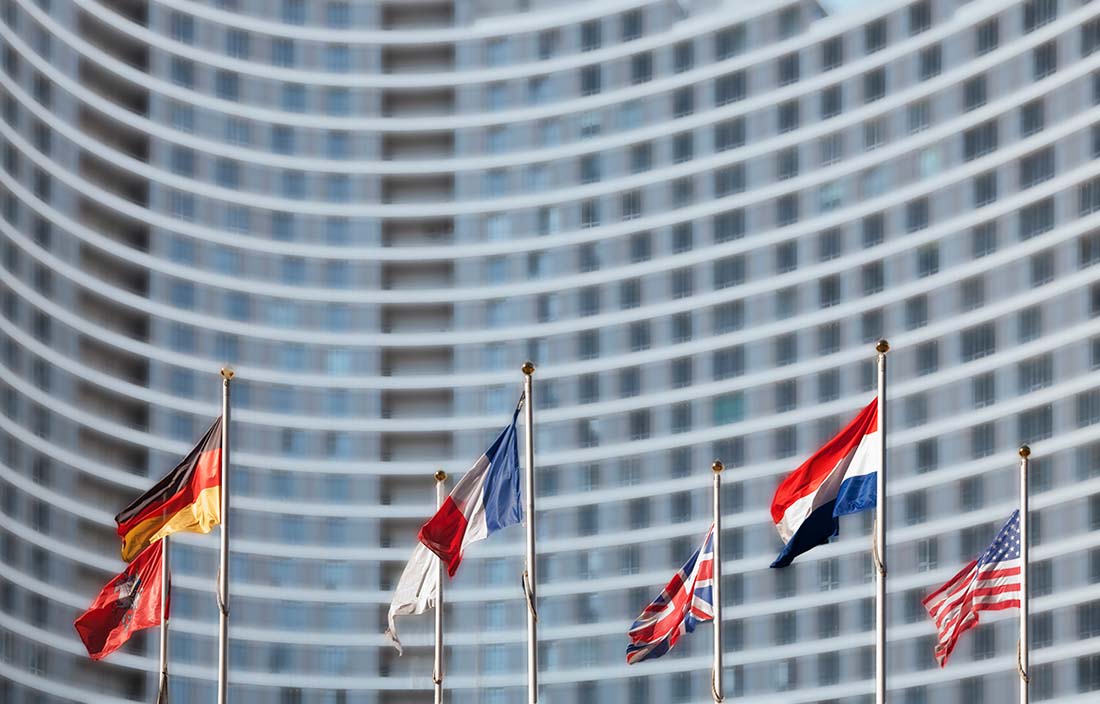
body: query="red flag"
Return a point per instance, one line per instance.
(129, 603)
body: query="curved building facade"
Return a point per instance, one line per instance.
(695, 217)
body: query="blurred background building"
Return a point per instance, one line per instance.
(695, 217)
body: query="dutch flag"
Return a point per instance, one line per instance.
(484, 501)
(838, 479)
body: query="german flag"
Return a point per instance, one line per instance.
(187, 499)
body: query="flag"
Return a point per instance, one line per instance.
(990, 583)
(688, 599)
(187, 499)
(130, 602)
(486, 500)
(838, 479)
(416, 590)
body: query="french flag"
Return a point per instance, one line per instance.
(484, 501)
(838, 479)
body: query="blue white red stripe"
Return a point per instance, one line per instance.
(686, 601)
(838, 479)
(990, 583)
(484, 501)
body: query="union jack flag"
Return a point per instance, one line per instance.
(687, 600)
(990, 583)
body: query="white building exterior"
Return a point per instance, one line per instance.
(694, 217)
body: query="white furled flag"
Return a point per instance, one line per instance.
(989, 583)
(416, 590)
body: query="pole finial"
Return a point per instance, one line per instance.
(882, 346)
(717, 467)
(528, 368)
(440, 476)
(228, 373)
(1025, 451)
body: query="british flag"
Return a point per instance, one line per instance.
(687, 600)
(990, 583)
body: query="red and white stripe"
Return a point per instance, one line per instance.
(954, 607)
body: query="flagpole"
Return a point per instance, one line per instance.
(717, 690)
(1022, 647)
(437, 672)
(529, 574)
(879, 553)
(162, 688)
(223, 571)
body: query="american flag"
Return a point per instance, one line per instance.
(990, 583)
(687, 600)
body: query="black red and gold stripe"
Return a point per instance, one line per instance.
(187, 499)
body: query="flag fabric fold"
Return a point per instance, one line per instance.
(130, 602)
(187, 499)
(484, 501)
(838, 479)
(989, 583)
(416, 590)
(687, 600)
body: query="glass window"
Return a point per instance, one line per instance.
(729, 42)
(988, 36)
(832, 53)
(974, 93)
(874, 36)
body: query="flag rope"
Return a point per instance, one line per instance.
(718, 698)
(526, 584)
(880, 566)
(1020, 664)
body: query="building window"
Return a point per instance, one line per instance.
(1044, 60)
(1036, 218)
(1035, 424)
(683, 102)
(1038, 13)
(987, 36)
(980, 140)
(974, 93)
(729, 88)
(729, 42)
(1032, 117)
(786, 210)
(916, 215)
(979, 341)
(729, 134)
(928, 358)
(874, 85)
(832, 53)
(1042, 268)
(832, 101)
(591, 80)
(920, 17)
(874, 36)
(641, 68)
(591, 35)
(631, 25)
(985, 189)
(789, 69)
(931, 62)
(1036, 167)
(683, 57)
(1088, 197)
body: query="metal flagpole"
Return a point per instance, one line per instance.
(717, 690)
(879, 552)
(223, 571)
(529, 575)
(165, 585)
(1022, 645)
(437, 672)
